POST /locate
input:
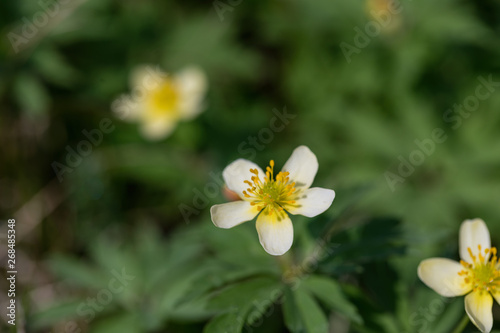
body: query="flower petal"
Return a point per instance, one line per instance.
(478, 306)
(313, 201)
(192, 85)
(157, 129)
(237, 172)
(496, 295)
(233, 213)
(302, 166)
(147, 77)
(127, 108)
(473, 233)
(441, 275)
(275, 232)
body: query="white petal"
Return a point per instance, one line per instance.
(146, 78)
(237, 172)
(473, 233)
(496, 295)
(478, 306)
(441, 275)
(275, 232)
(313, 201)
(302, 166)
(157, 129)
(126, 108)
(192, 85)
(233, 213)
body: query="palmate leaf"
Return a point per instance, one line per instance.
(291, 314)
(313, 317)
(54, 314)
(375, 240)
(231, 322)
(77, 273)
(122, 322)
(217, 274)
(242, 304)
(169, 298)
(303, 314)
(330, 292)
(377, 280)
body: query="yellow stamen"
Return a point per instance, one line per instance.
(483, 275)
(163, 100)
(273, 193)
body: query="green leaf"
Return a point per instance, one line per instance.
(31, 95)
(172, 291)
(123, 322)
(291, 314)
(314, 319)
(228, 323)
(55, 314)
(378, 280)
(376, 240)
(237, 294)
(51, 64)
(330, 292)
(77, 273)
(217, 274)
(249, 299)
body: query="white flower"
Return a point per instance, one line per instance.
(158, 101)
(273, 196)
(477, 274)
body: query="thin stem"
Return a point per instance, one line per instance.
(285, 261)
(461, 326)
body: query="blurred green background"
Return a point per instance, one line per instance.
(359, 98)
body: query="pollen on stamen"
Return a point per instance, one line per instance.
(471, 254)
(272, 192)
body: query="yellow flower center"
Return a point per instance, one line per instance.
(163, 100)
(272, 193)
(482, 274)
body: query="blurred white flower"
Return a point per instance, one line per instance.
(159, 101)
(273, 196)
(477, 274)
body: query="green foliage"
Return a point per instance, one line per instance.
(329, 291)
(351, 269)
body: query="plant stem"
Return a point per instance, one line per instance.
(285, 261)
(461, 326)
(286, 264)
